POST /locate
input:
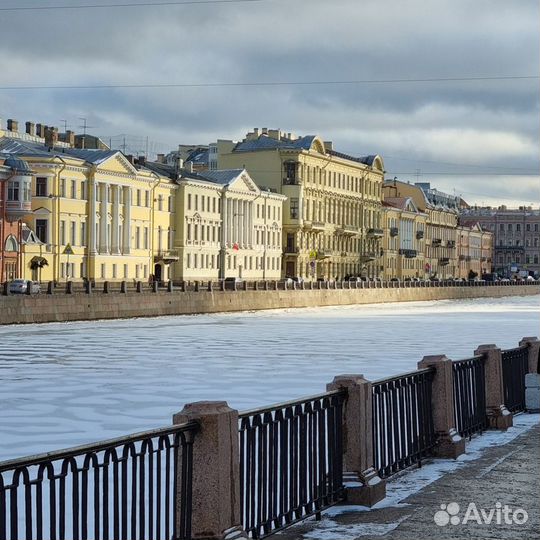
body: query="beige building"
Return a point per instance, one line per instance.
(332, 222)
(474, 251)
(516, 237)
(403, 244)
(440, 235)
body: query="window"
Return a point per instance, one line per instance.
(528, 227)
(518, 227)
(13, 190)
(509, 228)
(214, 205)
(73, 189)
(62, 187)
(169, 203)
(138, 201)
(137, 237)
(62, 233)
(41, 187)
(83, 190)
(73, 232)
(83, 234)
(501, 227)
(189, 231)
(125, 270)
(102, 271)
(145, 245)
(189, 201)
(196, 204)
(114, 270)
(294, 208)
(202, 202)
(147, 199)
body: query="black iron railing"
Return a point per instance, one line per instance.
(515, 365)
(470, 395)
(403, 431)
(134, 487)
(291, 462)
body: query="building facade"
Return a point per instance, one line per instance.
(227, 227)
(440, 234)
(94, 213)
(332, 222)
(474, 251)
(403, 245)
(516, 237)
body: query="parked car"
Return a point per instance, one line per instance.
(233, 279)
(20, 286)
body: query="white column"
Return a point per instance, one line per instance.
(92, 240)
(234, 221)
(224, 222)
(127, 220)
(104, 237)
(250, 223)
(115, 247)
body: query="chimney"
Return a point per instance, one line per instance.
(51, 137)
(264, 131)
(70, 138)
(141, 160)
(40, 130)
(274, 134)
(130, 158)
(160, 158)
(179, 164)
(12, 125)
(188, 166)
(30, 128)
(328, 145)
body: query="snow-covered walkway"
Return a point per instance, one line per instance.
(498, 469)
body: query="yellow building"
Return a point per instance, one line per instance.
(403, 244)
(474, 250)
(332, 222)
(440, 235)
(93, 213)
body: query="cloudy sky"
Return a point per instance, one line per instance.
(479, 138)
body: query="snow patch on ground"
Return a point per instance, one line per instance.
(331, 530)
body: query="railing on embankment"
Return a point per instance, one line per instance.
(218, 473)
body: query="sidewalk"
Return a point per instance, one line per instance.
(498, 468)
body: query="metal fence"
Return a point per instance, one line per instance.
(515, 365)
(470, 395)
(134, 487)
(290, 461)
(403, 431)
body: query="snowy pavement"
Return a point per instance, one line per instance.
(499, 469)
(65, 384)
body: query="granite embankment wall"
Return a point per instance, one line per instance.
(79, 306)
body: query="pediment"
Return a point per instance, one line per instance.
(42, 211)
(244, 182)
(117, 163)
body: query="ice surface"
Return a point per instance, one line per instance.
(64, 384)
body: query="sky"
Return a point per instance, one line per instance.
(478, 139)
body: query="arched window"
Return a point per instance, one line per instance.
(11, 244)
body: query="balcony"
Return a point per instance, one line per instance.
(375, 233)
(468, 258)
(419, 235)
(408, 253)
(347, 230)
(167, 257)
(436, 242)
(291, 250)
(368, 257)
(323, 253)
(394, 231)
(15, 210)
(462, 257)
(451, 244)
(444, 261)
(290, 181)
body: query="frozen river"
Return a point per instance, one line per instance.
(67, 384)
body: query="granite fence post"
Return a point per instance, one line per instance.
(155, 286)
(105, 287)
(210, 286)
(170, 286)
(499, 417)
(5, 288)
(88, 286)
(365, 486)
(216, 470)
(69, 287)
(28, 288)
(50, 287)
(533, 344)
(449, 443)
(123, 287)
(139, 287)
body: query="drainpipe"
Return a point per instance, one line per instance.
(56, 222)
(152, 221)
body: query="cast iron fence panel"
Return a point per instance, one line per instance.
(469, 395)
(291, 461)
(403, 431)
(515, 365)
(134, 487)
